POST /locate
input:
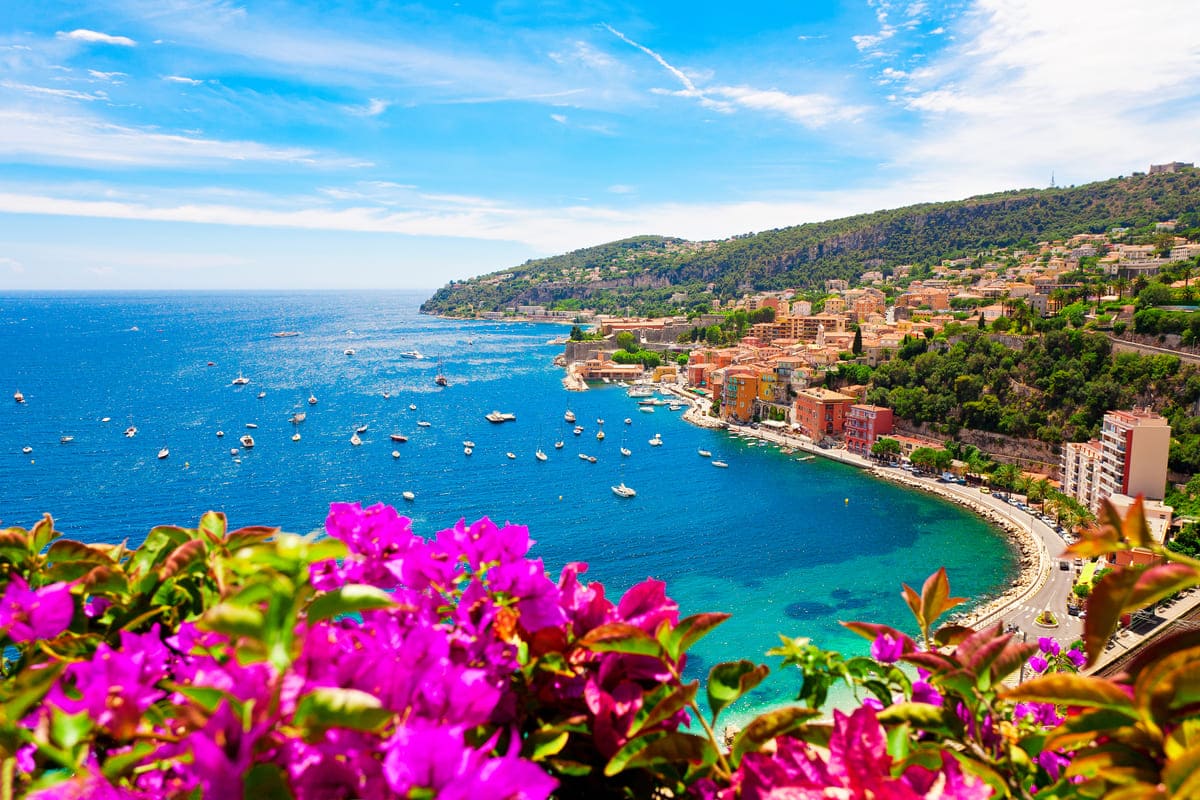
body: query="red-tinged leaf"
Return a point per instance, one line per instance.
(691, 630)
(621, 637)
(969, 646)
(1016, 654)
(1182, 773)
(1105, 605)
(1154, 687)
(765, 727)
(931, 662)
(679, 698)
(914, 603)
(1134, 528)
(981, 659)
(873, 630)
(730, 680)
(674, 748)
(922, 716)
(245, 537)
(69, 550)
(213, 525)
(1083, 728)
(949, 635)
(105, 580)
(1064, 688)
(1170, 642)
(1160, 581)
(935, 596)
(43, 533)
(182, 557)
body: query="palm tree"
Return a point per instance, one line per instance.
(1039, 489)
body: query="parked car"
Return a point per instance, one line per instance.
(1065, 566)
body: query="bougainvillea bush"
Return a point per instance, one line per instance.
(373, 663)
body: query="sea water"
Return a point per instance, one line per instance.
(787, 546)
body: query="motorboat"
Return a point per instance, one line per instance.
(628, 421)
(251, 425)
(511, 455)
(65, 439)
(20, 398)
(540, 456)
(397, 437)
(412, 406)
(220, 434)
(106, 419)
(569, 416)
(468, 450)
(240, 380)
(578, 430)
(600, 435)
(583, 456)
(247, 441)
(721, 464)
(409, 496)
(423, 424)
(468, 443)
(298, 417)
(558, 445)
(130, 432)
(647, 409)
(499, 416)
(599, 421)
(312, 400)
(164, 453)
(411, 354)
(656, 441)
(285, 334)
(387, 395)
(361, 429)
(621, 490)
(26, 449)
(295, 437)
(349, 351)
(591, 459)
(704, 453)
(354, 440)
(625, 451)
(395, 454)
(233, 451)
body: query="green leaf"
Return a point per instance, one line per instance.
(542, 744)
(899, 741)
(159, 541)
(14, 545)
(765, 727)
(69, 550)
(206, 697)
(923, 716)
(332, 707)
(42, 534)
(730, 680)
(1064, 688)
(621, 637)
(266, 782)
(118, 764)
(348, 599)
(183, 557)
(19, 694)
(658, 748)
(105, 580)
(69, 730)
(690, 630)
(212, 525)
(677, 699)
(1081, 729)
(234, 620)
(246, 537)
(1182, 774)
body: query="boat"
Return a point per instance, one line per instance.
(468, 450)
(285, 334)
(600, 435)
(674, 406)
(649, 401)
(591, 459)
(806, 458)
(295, 437)
(440, 378)
(499, 416)
(20, 398)
(578, 430)
(65, 439)
(721, 464)
(298, 417)
(361, 429)
(312, 400)
(640, 391)
(387, 395)
(540, 456)
(569, 416)
(628, 421)
(409, 496)
(220, 434)
(511, 455)
(395, 454)
(251, 425)
(411, 354)
(558, 445)
(105, 419)
(164, 453)
(261, 395)
(599, 421)
(26, 449)
(397, 437)
(704, 454)
(240, 380)
(233, 451)
(247, 441)
(468, 443)
(423, 424)
(412, 406)
(212, 363)
(656, 441)
(625, 451)
(354, 440)
(583, 456)
(349, 351)
(647, 409)
(621, 490)
(130, 432)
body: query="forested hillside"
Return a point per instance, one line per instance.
(641, 273)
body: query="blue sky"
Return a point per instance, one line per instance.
(212, 144)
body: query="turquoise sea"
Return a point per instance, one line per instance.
(787, 546)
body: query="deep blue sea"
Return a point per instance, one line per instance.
(787, 546)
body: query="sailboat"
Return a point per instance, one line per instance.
(440, 380)
(540, 456)
(621, 490)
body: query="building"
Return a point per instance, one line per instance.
(739, 390)
(1134, 447)
(1081, 472)
(1174, 166)
(821, 412)
(865, 424)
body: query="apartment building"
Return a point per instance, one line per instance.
(865, 424)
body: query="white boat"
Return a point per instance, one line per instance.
(628, 421)
(640, 391)
(233, 451)
(312, 399)
(349, 351)
(164, 453)
(621, 490)
(412, 406)
(354, 440)
(65, 439)
(240, 380)
(247, 441)
(468, 443)
(409, 496)
(468, 450)
(539, 455)
(411, 354)
(719, 464)
(361, 429)
(625, 451)
(647, 409)
(105, 419)
(26, 449)
(656, 441)
(569, 416)
(583, 456)
(558, 445)
(592, 459)
(261, 395)
(704, 454)
(511, 455)
(295, 437)
(251, 425)
(499, 416)
(600, 435)
(20, 398)
(395, 454)
(397, 437)
(285, 334)
(387, 395)
(578, 430)
(130, 432)
(298, 417)
(599, 421)
(423, 424)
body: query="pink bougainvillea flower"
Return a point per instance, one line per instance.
(887, 649)
(29, 614)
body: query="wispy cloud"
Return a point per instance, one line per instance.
(106, 76)
(373, 108)
(561, 119)
(50, 91)
(12, 265)
(85, 35)
(182, 79)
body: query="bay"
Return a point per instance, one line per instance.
(787, 546)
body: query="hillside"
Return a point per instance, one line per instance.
(641, 273)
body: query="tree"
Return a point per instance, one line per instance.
(886, 449)
(627, 341)
(857, 347)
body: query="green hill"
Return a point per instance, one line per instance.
(643, 272)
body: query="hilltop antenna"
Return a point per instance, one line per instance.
(1051, 179)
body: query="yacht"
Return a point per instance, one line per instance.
(298, 417)
(361, 429)
(628, 421)
(578, 430)
(411, 354)
(647, 409)
(395, 454)
(164, 453)
(583, 456)
(511, 455)
(26, 449)
(440, 379)
(220, 434)
(349, 351)
(354, 440)
(130, 432)
(285, 334)
(409, 496)
(600, 435)
(412, 406)
(65, 439)
(247, 441)
(499, 416)
(721, 464)
(295, 437)
(261, 395)
(240, 380)
(468, 450)
(387, 395)
(106, 419)
(468, 443)
(621, 490)
(569, 416)
(591, 459)
(251, 425)
(312, 400)
(20, 398)
(625, 451)
(397, 437)
(233, 451)
(423, 424)
(599, 421)
(540, 456)
(558, 445)
(704, 453)
(656, 441)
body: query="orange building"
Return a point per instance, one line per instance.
(821, 412)
(740, 389)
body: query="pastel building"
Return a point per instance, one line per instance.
(1134, 447)
(864, 424)
(1080, 471)
(821, 412)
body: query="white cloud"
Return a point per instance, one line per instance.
(583, 53)
(561, 119)
(12, 265)
(69, 94)
(182, 79)
(84, 35)
(106, 76)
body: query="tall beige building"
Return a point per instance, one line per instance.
(1130, 458)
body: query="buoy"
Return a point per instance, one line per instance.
(186, 464)
(847, 501)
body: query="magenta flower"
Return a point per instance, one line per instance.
(923, 692)
(90, 785)
(1043, 714)
(1048, 646)
(1038, 664)
(29, 614)
(887, 649)
(116, 686)
(221, 753)
(1077, 658)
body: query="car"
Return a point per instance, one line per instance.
(1079, 562)
(1065, 566)
(985, 490)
